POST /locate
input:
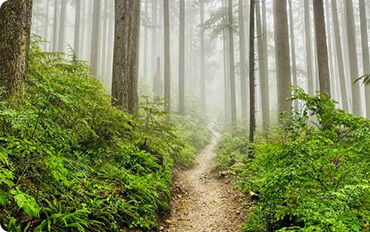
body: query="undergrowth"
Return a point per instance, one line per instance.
(70, 161)
(311, 174)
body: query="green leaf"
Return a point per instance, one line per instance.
(3, 198)
(27, 203)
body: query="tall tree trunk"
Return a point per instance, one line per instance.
(339, 53)
(352, 51)
(182, 59)
(243, 84)
(104, 41)
(55, 32)
(282, 55)
(202, 58)
(252, 88)
(126, 51)
(77, 28)
(321, 47)
(232, 63)
(365, 51)
(62, 26)
(94, 55)
(292, 46)
(154, 36)
(263, 69)
(308, 42)
(146, 34)
(134, 44)
(110, 41)
(15, 29)
(167, 57)
(46, 26)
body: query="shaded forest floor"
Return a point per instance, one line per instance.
(203, 203)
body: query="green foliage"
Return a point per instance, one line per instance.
(317, 177)
(70, 161)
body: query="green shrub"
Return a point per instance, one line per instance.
(317, 178)
(70, 161)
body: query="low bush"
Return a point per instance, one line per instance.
(315, 177)
(70, 161)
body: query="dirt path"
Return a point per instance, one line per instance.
(203, 203)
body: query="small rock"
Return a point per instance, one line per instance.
(168, 222)
(161, 228)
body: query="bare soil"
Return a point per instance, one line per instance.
(202, 202)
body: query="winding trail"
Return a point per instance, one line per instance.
(203, 203)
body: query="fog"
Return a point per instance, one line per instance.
(47, 23)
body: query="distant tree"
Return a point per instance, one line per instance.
(77, 27)
(365, 51)
(62, 25)
(167, 57)
(263, 64)
(352, 51)
(15, 29)
(182, 59)
(55, 25)
(243, 69)
(154, 37)
(292, 45)
(202, 57)
(232, 62)
(282, 55)
(158, 83)
(94, 56)
(339, 56)
(308, 43)
(322, 47)
(252, 88)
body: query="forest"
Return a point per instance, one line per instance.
(184, 115)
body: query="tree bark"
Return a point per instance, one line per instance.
(125, 63)
(339, 56)
(94, 55)
(62, 26)
(321, 47)
(252, 88)
(308, 42)
(243, 84)
(15, 29)
(232, 63)
(282, 55)
(77, 28)
(365, 52)
(167, 57)
(263, 69)
(182, 59)
(352, 51)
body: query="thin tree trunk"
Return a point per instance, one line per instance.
(263, 69)
(182, 59)
(321, 47)
(154, 38)
(232, 63)
(282, 55)
(339, 53)
(105, 43)
(46, 26)
(167, 57)
(77, 28)
(202, 59)
(146, 34)
(308, 42)
(252, 88)
(365, 51)
(94, 55)
(292, 46)
(62, 25)
(55, 32)
(15, 30)
(352, 51)
(243, 85)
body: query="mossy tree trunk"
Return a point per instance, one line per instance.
(15, 28)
